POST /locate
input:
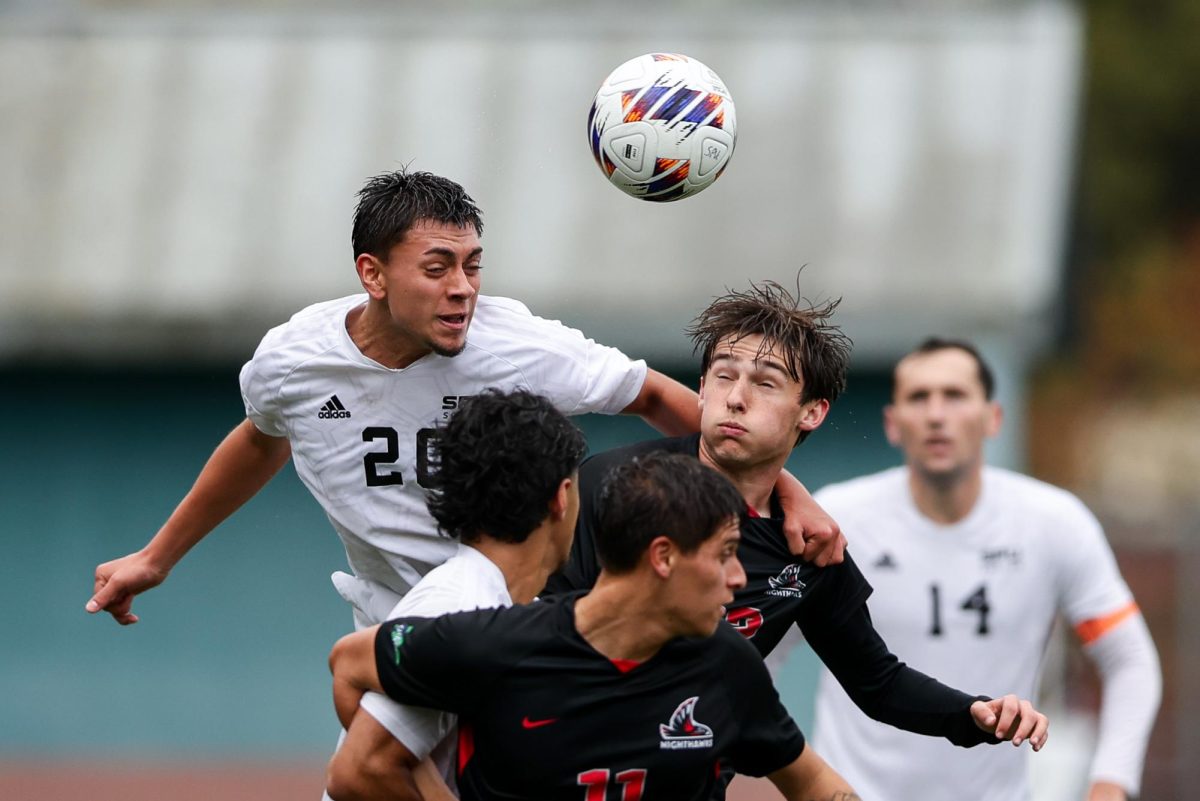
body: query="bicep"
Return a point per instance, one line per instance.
(352, 661)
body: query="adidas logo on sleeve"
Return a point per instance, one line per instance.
(333, 408)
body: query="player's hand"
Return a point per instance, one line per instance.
(1106, 791)
(121, 579)
(1012, 718)
(811, 533)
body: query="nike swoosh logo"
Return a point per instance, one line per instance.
(537, 724)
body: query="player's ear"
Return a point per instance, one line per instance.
(890, 429)
(995, 418)
(814, 414)
(661, 554)
(371, 276)
(561, 502)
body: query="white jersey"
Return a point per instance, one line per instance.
(359, 430)
(468, 580)
(971, 604)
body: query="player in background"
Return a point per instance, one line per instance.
(507, 491)
(971, 564)
(352, 389)
(770, 369)
(637, 688)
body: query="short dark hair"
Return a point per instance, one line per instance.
(660, 494)
(498, 463)
(935, 344)
(392, 203)
(815, 351)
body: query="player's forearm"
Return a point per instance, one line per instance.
(885, 688)
(810, 778)
(669, 406)
(1131, 689)
(430, 783)
(355, 774)
(239, 467)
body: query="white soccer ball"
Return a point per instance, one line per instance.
(662, 127)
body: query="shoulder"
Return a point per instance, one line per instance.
(487, 634)
(1056, 504)
(884, 487)
(314, 329)
(461, 583)
(500, 320)
(596, 466)
(733, 650)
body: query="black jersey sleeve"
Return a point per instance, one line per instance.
(446, 662)
(881, 685)
(768, 739)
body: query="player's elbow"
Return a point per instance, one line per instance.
(352, 658)
(342, 783)
(371, 776)
(337, 655)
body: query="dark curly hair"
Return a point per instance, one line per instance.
(815, 351)
(498, 463)
(660, 494)
(392, 203)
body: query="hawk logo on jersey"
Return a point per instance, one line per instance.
(747, 620)
(787, 584)
(683, 731)
(399, 631)
(333, 408)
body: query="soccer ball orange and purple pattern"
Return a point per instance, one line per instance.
(662, 127)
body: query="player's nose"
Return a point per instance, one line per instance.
(460, 285)
(735, 577)
(736, 399)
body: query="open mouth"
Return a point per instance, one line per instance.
(456, 321)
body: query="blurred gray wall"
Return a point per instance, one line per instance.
(174, 184)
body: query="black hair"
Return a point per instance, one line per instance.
(498, 463)
(660, 494)
(935, 344)
(392, 203)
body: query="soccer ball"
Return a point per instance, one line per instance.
(662, 127)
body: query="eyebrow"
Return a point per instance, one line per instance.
(759, 362)
(440, 251)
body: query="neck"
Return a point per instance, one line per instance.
(370, 328)
(754, 482)
(525, 565)
(621, 619)
(946, 499)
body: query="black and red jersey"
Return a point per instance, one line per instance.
(543, 715)
(829, 604)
